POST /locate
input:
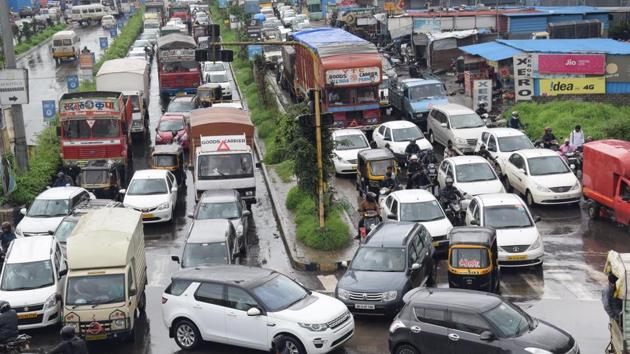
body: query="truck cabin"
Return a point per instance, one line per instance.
(177, 67)
(92, 115)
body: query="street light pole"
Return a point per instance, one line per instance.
(21, 152)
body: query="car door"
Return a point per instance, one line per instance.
(393, 211)
(244, 330)
(244, 215)
(464, 331)
(429, 331)
(492, 145)
(448, 134)
(209, 312)
(377, 136)
(386, 205)
(516, 172)
(425, 250)
(387, 137)
(470, 210)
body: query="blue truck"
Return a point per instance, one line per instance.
(17, 5)
(413, 98)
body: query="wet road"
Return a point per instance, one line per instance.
(47, 81)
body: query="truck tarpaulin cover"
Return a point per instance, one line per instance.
(326, 41)
(176, 41)
(221, 121)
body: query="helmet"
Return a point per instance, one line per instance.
(60, 174)
(370, 196)
(481, 103)
(482, 147)
(67, 332)
(515, 114)
(449, 181)
(4, 306)
(6, 225)
(413, 157)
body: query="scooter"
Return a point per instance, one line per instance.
(18, 345)
(370, 220)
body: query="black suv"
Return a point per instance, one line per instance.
(395, 258)
(471, 322)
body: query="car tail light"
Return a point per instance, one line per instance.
(164, 300)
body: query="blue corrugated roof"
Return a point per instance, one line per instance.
(560, 10)
(491, 51)
(588, 45)
(317, 37)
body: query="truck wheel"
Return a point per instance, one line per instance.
(593, 211)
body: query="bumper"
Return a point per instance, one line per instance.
(388, 309)
(557, 198)
(42, 319)
(136, 129)
(523, 259)
(345, 167)
(157, 216)
(320, 343)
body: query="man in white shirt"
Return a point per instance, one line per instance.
(577, 137)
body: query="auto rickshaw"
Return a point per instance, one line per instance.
(472, 259)
(619, 265)
(207, 94)
(371, 168)
(103, 178)
(171, 158)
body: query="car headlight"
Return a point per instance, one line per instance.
(343, 294)
(315, 327)
(390, 295)
(51, 301)
(536, 244)
(576, 186)
(537, 351)
(542, 188)
(164, 206)
(396, 324)
(460, 141)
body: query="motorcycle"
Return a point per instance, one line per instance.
(455, 212)
(18, 345)
(370, 220)
(574, 160)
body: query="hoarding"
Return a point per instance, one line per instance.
(353, 76)
(573, 86)
(523, 81)
(482, 92)
(617, 68)
(571, 63)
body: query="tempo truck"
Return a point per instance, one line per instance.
(107, 274)
(222, 151)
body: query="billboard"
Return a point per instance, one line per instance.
(573, 86)
(523, 81)
(571, 63)
(618, 68)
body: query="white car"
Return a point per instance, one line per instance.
(177, 23)
(153, 193)
(220, 79)
(287, 16)
(207, 304)
(32, 280)
(520, 243)
(543, 177)
(420, 206)
(502, 142)
(213, 67)
(347, 144)
(455, 123)
(395, 135)
(108, 21)
(202, 18)
(48, 209)
(472, 175)
(137, 53)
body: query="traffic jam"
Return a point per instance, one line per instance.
(159, 234)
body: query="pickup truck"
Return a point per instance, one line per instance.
(413, 98)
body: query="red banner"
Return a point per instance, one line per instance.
(571, 63)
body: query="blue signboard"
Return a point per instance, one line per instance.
(103, 42)
(73, 82)
(48, 108)
(113, 32)
(254, 50)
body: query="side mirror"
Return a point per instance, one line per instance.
(190, 215)
(23, 211)
(247, 213)
(253, 311)
(474, 222)
(63, 272)
(122, 191)
(537, 218)
(51, 232)
(443, 125)
(486, 335)
(344, 264)
(391, 216)
(133, 292)
(175, 259)
(174, 189)
(415, 266)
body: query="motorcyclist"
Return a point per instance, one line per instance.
(70, 344)
(367, 204)
(418, 180)
(414, 165)
(450, 150)
(566, 148)
(6, 237)
(481, 108)
(412, 148)
(549, 140)
(515, 121)
(449, 192)
(62, 180)
(428, 157)
(8, 322)
(483, 152)
(390, 181)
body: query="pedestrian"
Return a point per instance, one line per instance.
(85, 50)
(6, 237)
(576, 138)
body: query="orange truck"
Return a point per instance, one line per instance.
(606, 179)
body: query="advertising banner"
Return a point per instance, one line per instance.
(618, 68)
(523, 81)
(571, 63)
(354, 76)
(572, 86)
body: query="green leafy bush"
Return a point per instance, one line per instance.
(38, 38)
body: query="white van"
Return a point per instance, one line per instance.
(88, 13)
(32, 280)
(65, 45)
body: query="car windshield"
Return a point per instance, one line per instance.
(469, 258)
(509, 320)
(506, 217)
(164, 160)
(350, 142)
(94, 177)
(423, 211)
(423, 92)
(49, 208)
(65, 229)
(213, 67)
(466, 121)
(406, 134)
(379, 259)
(90, 128)
(379, 168)
(181, 106)
(223, 166)
(25, 276)
(474, 172)
(547, 165)
(279, 293)
(196, 254)
(147, 186)
(95, 289)
(217, 78)
(227, 210)
(170, 125)
(513, 143)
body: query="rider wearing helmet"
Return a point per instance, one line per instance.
(62, 180)
(449, 192)
(515, 121)
(412, 148)
(8, 322)
(6, 237)
(368, 204)
(70, 344)
(549, 140)
(414, 165)
(481, 108)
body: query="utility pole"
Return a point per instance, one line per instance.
(21, 152)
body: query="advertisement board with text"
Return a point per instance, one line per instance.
(573, 86)
(571, 63)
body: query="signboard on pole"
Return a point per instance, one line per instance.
(482, 92)
(571, 63)
(103, 42)
(253, 50)
(113, 32)
(73, 82)
(86, 61)
(48, 110)
(573, 86)
(523, 80)
(14, 86)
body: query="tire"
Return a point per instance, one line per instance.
(593, 211)
(431, 138)
(292, 344)
(186, 335)
(406, 349)
(529, 199)
(142, 304)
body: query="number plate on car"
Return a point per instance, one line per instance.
(364, 307)
(22, 316)
(148, 216)
(517, 258)
(436, 243)
(96, 336)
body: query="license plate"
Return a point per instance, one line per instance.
(364, 307)
(517, 258)
(96, 336)
(22, 316)
(148, 216)
(436, 243)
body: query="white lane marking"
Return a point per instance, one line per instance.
(329, 282)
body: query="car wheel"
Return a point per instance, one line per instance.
(593, 212)
(406, 349)
(187, 335)
(431, 137)
(292, 345)
(530, 199)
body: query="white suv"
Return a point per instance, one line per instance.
(472, 175)
(502, 142)
(458, 124)
(396, 135)
(153, 193)
(251, 307)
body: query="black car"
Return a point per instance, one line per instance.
(395, 258)
(471, 322)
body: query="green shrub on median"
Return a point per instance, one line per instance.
(120, 46)
(35, 40)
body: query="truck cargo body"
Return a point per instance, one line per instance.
(17, 5)
(178, 70)
(606, 177)
(348, 71)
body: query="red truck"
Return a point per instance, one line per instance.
(178, 71)
(348, 71)
(606, 179)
